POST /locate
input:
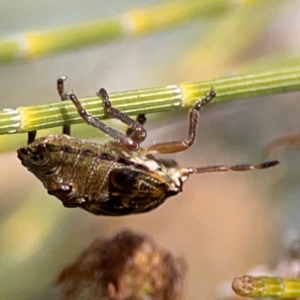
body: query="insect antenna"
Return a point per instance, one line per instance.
(241, 167)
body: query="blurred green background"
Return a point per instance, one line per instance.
(223, 224)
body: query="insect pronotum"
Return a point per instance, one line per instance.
(119, 177)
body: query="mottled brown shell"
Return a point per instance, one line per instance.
(98, 178)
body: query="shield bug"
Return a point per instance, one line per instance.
(119, 177)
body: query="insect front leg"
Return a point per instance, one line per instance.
(177, 146)
(136, 131)
(120, 138)
(63, 96)
(31, 137)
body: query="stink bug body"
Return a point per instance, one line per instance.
(119, 177)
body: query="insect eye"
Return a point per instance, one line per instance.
(37, 156)
(124, 179)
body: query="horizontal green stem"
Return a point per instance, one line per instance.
(28, 118)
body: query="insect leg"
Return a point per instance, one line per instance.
(63, 97)
(31, 137)
(177, 146)
(141, 119)
(121, 138)
(242, 167)
(138, 132)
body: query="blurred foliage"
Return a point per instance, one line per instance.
(135, 22)
(127, 266)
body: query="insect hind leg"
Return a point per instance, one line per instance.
(177, 146)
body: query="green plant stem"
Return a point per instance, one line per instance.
(267, 287)
(29, 118)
